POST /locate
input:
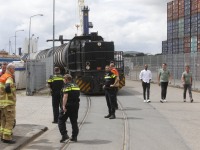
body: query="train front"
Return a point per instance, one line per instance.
(87, 57)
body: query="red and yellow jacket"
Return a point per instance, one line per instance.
(7, 90)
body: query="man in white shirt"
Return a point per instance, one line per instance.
(145, 77)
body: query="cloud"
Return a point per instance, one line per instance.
(134, 25)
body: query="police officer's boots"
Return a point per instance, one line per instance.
(9, 141)
(73, 138)
(112, 116)
(64, 137)
(107, 115)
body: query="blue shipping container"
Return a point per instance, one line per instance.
(187, 7)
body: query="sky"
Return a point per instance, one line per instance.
(133, 25)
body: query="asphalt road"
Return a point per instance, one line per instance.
(155, 126)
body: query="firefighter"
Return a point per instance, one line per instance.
(115, 71)
(55, 82)
(109, 84)
(7, 104)
(69, 108)
(3, 67)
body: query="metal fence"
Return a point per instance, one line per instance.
(175, 63)
(38, 72)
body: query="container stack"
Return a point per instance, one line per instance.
(164, 47)
(183, 27)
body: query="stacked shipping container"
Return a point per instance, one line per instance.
(183, 36)
(183, 27)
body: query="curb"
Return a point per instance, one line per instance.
(35, 132)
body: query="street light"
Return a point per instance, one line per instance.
(29, 51)
(15, 39)
(53, 30)
(9, 43)
(30, 31)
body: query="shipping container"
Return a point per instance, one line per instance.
(187, 44)
(187, 26)
(170, 11)
(164, 48)
(170, 46)
(198, 23)
(193, 44)
(170, 30)
(181, 8)
(175, 28)
(194, 7)
(181, 46)
(181, 28)
(198, 3)
(187, 7)
(175, 9)
(175, 46)
(194, 22)
(198, 43)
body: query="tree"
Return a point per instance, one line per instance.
(128, 55)
(140, 54)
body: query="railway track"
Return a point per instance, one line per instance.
(126, 140)
(80, 125)
(126, 136)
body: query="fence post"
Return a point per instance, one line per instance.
(157, 66)
(194, 70)
(136, 69)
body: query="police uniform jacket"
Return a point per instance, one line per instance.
(73, 92)
(56, 82)
(109, 79)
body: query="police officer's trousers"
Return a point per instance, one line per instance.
(72, 114)
(116, 90)
(110, 99)
(7, 122)
(56, 104)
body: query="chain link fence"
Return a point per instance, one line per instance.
(175, 63)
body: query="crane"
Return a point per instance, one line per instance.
(84, 18)
(81, 4)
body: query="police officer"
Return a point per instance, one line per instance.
(109, 84)
(7, 104)
(3, 67)
(115, 71)
(69, 108)
(55, 82)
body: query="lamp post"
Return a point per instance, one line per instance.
(53, 30)
(9, 43)
(30, 32)
(15, 39)
(29, 53)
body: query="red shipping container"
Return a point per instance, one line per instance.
(187, 44)
(169, 11)
(181, 8)
(198, 43)
(194, 6)
(198, 5)
(175, 9)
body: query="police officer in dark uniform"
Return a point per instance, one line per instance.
(69, 108)
(109, 84)
(55, 82)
